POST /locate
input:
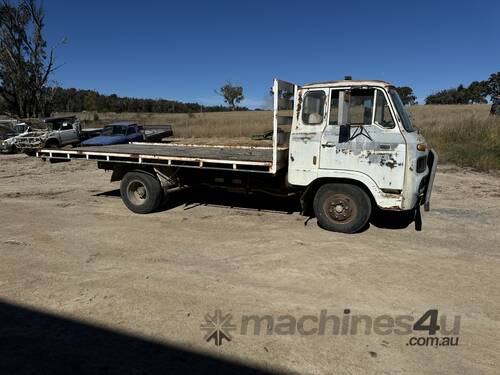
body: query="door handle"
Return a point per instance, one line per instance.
(384, 147)
(328, 144)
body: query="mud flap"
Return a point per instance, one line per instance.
(433, 160)
(418, 219)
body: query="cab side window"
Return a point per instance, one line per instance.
(313, 108)
(361, 106)
(383, 116)
(130, 130)
(334, 108)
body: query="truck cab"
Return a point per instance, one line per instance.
(352, 147)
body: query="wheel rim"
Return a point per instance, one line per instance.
(137, 192)
(340, 208)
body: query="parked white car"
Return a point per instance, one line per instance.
(8, 146)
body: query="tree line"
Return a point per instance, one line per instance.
(477, 92)
(75, 100)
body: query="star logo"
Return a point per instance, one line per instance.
(218, 327)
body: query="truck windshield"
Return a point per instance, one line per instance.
(114, 130)
(401, 111)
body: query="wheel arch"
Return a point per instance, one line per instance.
(120, 170)
(383, 200)
(307, 198)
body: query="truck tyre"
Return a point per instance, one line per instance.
(342, 207)
(141, 192)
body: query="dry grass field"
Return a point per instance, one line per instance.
(462, 134)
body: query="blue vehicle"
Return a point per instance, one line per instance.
(123, 132)
(117, 133)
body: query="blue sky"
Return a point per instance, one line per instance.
(184, 50)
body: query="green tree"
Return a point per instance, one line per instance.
(493, 85)
(232, 94)
(477, 92)
(448, 96)
(406, 94)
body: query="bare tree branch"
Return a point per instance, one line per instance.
(25, 64)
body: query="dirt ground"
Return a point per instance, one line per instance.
(86, 286)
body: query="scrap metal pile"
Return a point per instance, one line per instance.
(61, 131)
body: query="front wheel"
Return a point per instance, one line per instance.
(141, 192)
(342, 207)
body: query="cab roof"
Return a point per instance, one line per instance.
(343, 83)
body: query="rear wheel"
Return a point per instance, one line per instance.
(141, 192)
(342, 207)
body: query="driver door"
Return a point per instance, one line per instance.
(362, 136)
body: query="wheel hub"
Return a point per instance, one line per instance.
(137, 192)
(141, 192)
(340, 208)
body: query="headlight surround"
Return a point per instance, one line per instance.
(422, 147)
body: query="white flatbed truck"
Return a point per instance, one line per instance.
(350, 147)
